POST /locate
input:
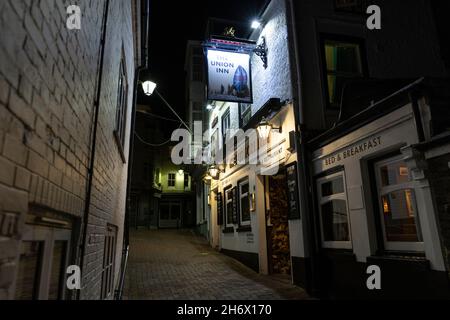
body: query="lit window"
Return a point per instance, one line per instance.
(343, 62)
(398, 209)
(171, 180)
(334, 220)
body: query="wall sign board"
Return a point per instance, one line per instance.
(219, 201)
(229, 76)
(291, 175)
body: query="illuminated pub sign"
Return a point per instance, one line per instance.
(229, 76)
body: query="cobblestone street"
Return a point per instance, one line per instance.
(172, 264)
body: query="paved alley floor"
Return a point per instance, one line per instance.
(177, 265)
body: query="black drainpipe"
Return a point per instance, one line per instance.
(93, 142)
(303, 167)
(126, 231)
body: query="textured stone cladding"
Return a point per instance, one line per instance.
(48, 77)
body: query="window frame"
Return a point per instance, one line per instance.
(121, 107)
(48, 235)
(174, 180)
(109, 261)
(418, 247)
(228, 215)
(322, 200)
(242, 111)
(241, 196)
(323, 38)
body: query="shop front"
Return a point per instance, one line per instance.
(373, 206)
(255, 206)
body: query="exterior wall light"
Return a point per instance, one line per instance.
(214, 172)
(209, 107)
(149, 87)
(265, 127)
(256, 24)
(181, 172)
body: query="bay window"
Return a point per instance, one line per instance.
(397, 206)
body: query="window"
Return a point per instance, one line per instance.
(352, 6)
(229, 206)
(43, 259)
(226, 126)
(334, 221)
(121, 111)
(244, 203)
(245, 114)
(397, 203)
(214, 145)
(157, 178)
(109, 254)
(171, 180)
(343, 62)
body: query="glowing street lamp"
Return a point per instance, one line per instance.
(149, 87)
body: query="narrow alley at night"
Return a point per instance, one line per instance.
(271, 154)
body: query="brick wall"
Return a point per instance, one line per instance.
(48, 77)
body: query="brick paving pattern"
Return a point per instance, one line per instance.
(177, 265)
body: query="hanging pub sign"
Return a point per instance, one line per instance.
(291, 173)
(229, 76)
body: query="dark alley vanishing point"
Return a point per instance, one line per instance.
(176, 264)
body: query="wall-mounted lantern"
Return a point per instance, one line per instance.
(264, 128)
(214, 171)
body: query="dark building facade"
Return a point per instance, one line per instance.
(66, 109)
(368, 168)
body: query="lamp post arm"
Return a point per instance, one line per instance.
(171, 109)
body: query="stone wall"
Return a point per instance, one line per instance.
(48, 77)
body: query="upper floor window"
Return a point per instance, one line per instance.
(353, 6)
(245, 113)
(334, 220)
(171, 180)
(121, 110)
(397, 202)
(343, 62)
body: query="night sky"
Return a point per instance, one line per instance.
(172, 23)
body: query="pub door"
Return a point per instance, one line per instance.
(277, 225)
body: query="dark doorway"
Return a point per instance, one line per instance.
(277, 227)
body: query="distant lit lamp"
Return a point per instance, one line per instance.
(214, 171)
(256, 24)
(181, 172)
(149, 87)
(209, 107)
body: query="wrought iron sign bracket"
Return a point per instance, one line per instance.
(261, 51)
